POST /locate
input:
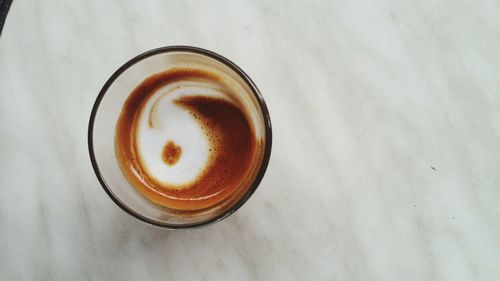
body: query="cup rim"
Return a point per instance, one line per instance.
(237, 70)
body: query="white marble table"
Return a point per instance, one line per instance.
(386, 156)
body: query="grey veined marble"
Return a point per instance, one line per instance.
(386, 155)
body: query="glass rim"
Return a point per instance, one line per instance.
(262, 105)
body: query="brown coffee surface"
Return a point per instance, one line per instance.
(171, 153)
(226, 127)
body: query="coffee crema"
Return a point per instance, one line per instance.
(183, 140)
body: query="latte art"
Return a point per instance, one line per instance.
(183, 141)
(163, 120)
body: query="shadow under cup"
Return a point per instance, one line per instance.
(108, 107)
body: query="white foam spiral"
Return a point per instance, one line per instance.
(171, 122)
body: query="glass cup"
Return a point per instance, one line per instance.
(107, 109)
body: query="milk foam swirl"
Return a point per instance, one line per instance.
(183, 141)
(162, 120)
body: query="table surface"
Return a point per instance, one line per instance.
(386, 154)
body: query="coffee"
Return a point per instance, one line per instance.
(184, 140)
